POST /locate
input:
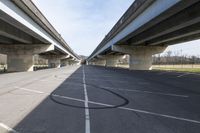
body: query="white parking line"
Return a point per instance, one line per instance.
(149, 92)
(181, 73)
(10, 130)
(185, 74)
(135, 110)
(123, 108)
(69, 98)
(139, 111)
(35, 91)
(87, 114)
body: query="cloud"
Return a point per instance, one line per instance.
(83, 24)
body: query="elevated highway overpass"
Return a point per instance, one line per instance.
(147, 28)
(24, 32)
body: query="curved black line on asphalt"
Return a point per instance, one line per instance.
(125, 100)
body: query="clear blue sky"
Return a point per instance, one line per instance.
(84, 23)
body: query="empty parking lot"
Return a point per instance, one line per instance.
(90, 99)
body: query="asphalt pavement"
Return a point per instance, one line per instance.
(91, 99)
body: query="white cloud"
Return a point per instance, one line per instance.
(83, 24)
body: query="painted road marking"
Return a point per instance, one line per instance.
(29, 90)
(149, 92)
(87, 114)
(185, 74)
(139, 111)
(69, 98)
(135, 110)
(181, 73)
(10, 130)
(125, 108)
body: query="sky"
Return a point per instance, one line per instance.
(83, 24)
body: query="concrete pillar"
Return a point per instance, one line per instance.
(87, 62)
(73, 62)
(54, 63)
(91, 62)
(140, 56)
(21, 57)
(100, 62)
(140, 61)
(64, 62)
(20, 62)
(112, 60)
(70, 62)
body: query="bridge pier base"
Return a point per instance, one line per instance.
(20, 62)
(74, 62)
(100, 62)
(91, 63)
(54, 61)
(112, 60)
(20, 57)
(140, 56)
(140, 61)
(65, 62)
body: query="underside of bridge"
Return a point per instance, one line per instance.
(25, 32)
(19, 44)
(179, 23)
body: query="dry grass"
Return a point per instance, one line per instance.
(179, 68)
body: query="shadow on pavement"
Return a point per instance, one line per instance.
(58, 114)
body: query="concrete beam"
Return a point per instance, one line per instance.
(5, 40)
(9, 31)
(176, 22)
(183, 33)
(25, 48)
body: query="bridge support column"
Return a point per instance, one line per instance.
(100, 62)
(71, 62)
(54, 61)
(65, 62)
(140, 56)
(91, 63)
(74, 62)
(140, 60)
(112, 60)
(21, 57)
(20, 62)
